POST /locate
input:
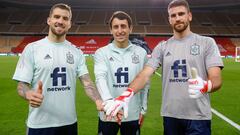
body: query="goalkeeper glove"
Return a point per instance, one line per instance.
(122, 101)
(197, 86)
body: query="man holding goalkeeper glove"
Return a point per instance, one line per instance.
(115, 66)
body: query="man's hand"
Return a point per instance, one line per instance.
(107, 104)
(141, 119)
(113, 107)
(35, 97)
(197, 86)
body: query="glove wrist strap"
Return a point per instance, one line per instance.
(207, 86)
(126, 94)
(130, 90)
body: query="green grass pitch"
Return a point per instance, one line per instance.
(13, 109)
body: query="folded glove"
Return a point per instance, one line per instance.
(197, 86)
(112, 108)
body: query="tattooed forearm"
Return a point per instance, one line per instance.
(22, 89)
(89, 87)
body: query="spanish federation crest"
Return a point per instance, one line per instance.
(135, 58)
(70, 58)
(195, 49)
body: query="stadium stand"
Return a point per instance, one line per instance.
(158, 17)
(142, 17)
(19, 17)
(89, 44)
(236, 41)
(204, 30)
(37, 18)
(4, 17)
(157, 29)
(221, 30)
(90, 29)
(235, 29)
(234, 16)
(98, 17)
(151, 22)
(9, 42)
(83, 17)
(226, 46)
(153, 41)
(19, 48)
(4, 28)
(209, 22)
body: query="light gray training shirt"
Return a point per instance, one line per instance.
(176, 58)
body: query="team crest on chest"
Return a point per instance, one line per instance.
(70, 58)
(195, 49)
(135, 58)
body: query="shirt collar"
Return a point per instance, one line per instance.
(114, 48)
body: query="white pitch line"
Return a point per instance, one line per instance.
(226, 119)
(158, 74)
(217, 113)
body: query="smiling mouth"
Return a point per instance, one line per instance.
(179, 24)
(59, 27)
(120, 36)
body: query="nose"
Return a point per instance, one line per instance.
(119, 29)
(60, 20)
(178, 17)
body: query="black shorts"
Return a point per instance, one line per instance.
(173, 126)
(111, 128)
(63, 130)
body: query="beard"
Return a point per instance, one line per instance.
(183, 26)
(58, 34)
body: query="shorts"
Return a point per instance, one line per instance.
(174, 126)
(111, 128)
(63, 130)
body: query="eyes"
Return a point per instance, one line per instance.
(122, 26)
(65, 18)
(177, 14)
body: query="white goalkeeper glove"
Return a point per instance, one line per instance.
(120, 102)
(197, 86)
(107, 104)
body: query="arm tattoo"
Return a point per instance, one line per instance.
(89, 87)
(22, 89)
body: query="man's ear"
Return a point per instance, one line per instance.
(48, 20)
(131, 28)
(190, 16)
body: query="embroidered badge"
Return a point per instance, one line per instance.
(70, 58)
(195, 49)
(135, 58)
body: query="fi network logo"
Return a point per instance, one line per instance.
(59, 74)
(122, 73)
(179, 65)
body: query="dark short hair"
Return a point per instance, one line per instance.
(121, 16)
(176, 3)
(61, 6)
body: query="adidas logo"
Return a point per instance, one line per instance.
(47, 57)
(91, 41)
(111, 59)
(168, 54)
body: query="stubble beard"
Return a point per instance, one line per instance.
(182, 28)
(57, 33)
